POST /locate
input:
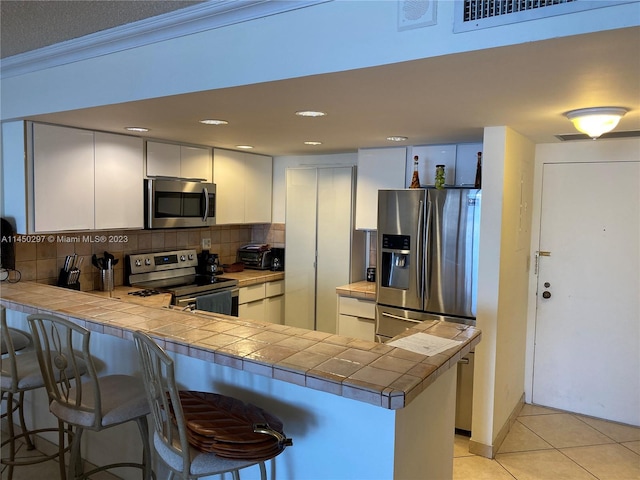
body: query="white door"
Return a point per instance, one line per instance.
(587, 338)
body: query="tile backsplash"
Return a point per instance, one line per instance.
(42, 261)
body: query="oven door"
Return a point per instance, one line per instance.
(178, 203)
(188, 302)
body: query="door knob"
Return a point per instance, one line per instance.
(546, 294)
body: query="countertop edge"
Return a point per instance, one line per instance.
(114, 317)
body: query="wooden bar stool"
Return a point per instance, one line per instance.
(97, 403)
(20, 374)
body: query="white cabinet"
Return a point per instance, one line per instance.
(84, 180)
(63, 179)
(466, 163)
(378, 168)
(262, 301)
(320, 238)
(428, 157)
(119, 192)
(356, 318)
(243, 187)
(178, 161)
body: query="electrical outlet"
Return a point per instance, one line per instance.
(206, 243)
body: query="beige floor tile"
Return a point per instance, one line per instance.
(521, 439)
(529, 409)
(607, 462)
(478, 468)
(564, 430)
(461, 446)
(633, 446)
(542, 465)
(617, 431)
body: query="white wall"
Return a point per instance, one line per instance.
(507, 182)
(329, 37)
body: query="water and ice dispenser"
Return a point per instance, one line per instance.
(396, 261)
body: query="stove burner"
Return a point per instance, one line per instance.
(144, 293)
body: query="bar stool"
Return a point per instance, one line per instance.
(20, 374)
(95, 404)
(170, 437)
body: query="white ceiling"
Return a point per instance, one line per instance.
(446, 99)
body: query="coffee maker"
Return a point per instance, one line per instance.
(208, 263)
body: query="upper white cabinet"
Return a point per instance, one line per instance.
(178, 161)
(63, 179)
(378, 168)
(84, 180)
(119, 192)
(243, 187)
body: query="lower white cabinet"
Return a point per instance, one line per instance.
(262, 301)
(356, 318)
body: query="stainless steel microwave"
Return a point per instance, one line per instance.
(179, 204)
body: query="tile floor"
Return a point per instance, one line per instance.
(543, 444)
(546, 444)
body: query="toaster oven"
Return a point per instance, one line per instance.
(255, 255)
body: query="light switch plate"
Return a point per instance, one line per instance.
(206, 243)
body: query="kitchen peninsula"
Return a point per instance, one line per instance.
(355, 409)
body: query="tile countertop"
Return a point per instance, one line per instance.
(251, 277)
(364, 371)
(363, 289)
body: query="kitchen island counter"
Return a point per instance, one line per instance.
(383, 412)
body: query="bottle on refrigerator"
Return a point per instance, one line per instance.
(415, 180)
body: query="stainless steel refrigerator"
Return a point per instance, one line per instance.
(427, 257)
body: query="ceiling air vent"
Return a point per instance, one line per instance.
(477, 14)
(581, 136)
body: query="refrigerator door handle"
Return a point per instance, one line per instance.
(426, 263)
(419, 234)
(397, 317)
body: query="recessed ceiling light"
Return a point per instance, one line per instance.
(245, 147)
(137, 129)
(212, 121)
(310, 113)
(313, 143)
(397, 138)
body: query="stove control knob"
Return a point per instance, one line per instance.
(182, 258)
(191, 256)
(147, 261)
(138, 263)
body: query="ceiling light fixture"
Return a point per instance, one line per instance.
(310, 113)
(597, 120)
(212, 121)
(313, 143)
(244, 147)
(137, 129)
(397, 138)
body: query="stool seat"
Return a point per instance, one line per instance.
(20, 340)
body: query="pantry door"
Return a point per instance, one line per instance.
(587, 333)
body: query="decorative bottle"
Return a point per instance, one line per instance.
(478, 182)
(439, 177)
(415, 180)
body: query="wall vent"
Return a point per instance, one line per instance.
(477, 14)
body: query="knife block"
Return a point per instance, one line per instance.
(63, 280)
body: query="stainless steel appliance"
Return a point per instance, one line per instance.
(255, 255)
(175, 272)
(427, 264)
(179, 203)
(277, 259)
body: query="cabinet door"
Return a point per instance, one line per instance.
(274, 309)
(163, 160)
(119, 192)
(300, 233)
(228, 173)
(466, 163)
(378, 168)
(258, 177)
(63, 175)
(428, 157)
(195, 163)
(356, 327)
(252, 310)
